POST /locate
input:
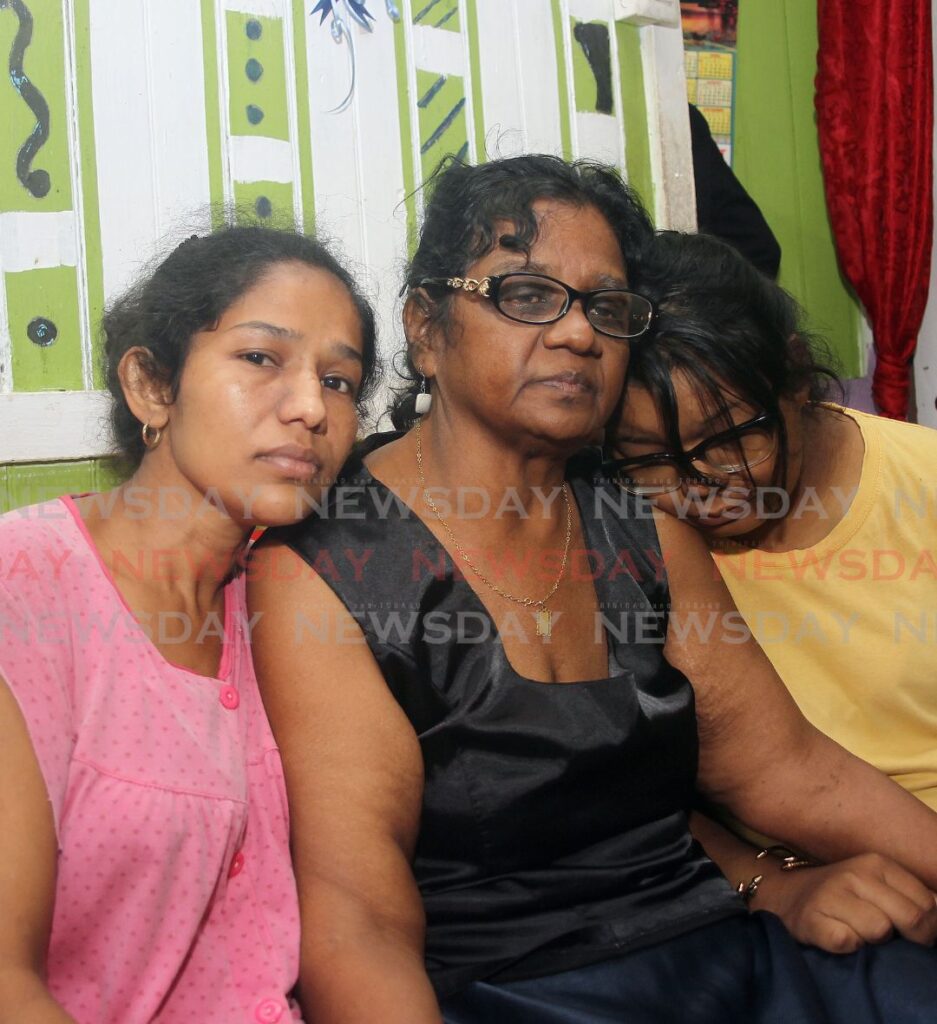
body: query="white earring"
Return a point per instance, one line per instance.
(424, 399)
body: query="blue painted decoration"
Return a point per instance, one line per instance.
(254, 29)
(263, 207)
(42, 332)
(37, 182)
(254, 114)
(253, 69)
(354, 11)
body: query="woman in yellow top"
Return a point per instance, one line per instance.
(823, 523)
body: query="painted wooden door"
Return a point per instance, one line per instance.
(128, 124)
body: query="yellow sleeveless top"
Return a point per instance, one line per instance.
(850, 624)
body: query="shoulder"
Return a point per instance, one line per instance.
(36, 524)
(41, 547)
(898, 435)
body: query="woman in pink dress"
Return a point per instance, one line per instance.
(143, 822)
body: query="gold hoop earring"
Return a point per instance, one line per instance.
(151, 436)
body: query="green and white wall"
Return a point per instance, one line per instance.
(125, 123)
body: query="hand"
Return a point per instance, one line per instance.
(840, 907)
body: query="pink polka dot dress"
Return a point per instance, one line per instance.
(175, 900)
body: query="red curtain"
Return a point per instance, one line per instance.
(875, 100)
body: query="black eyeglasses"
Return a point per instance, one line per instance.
(538, 299)
(736, 450)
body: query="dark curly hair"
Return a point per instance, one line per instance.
(465, 203)
(189, 291)
(728, 329)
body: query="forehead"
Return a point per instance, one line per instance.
(578, 237)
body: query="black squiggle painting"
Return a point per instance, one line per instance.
(593, 38)
(37, 182)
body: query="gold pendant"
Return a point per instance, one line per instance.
(544, 623)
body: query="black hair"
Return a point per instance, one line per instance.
(466, 202)
(728, 329)
(189, 291)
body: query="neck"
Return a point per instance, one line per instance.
(167, 535)
(830, 458)
(517, 484)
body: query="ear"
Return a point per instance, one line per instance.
(423, 335)
(148, 397)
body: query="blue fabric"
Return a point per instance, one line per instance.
(738, 971)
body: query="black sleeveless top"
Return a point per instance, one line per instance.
(554, 830)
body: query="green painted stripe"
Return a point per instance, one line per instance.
(265, 202)
(213, 113)
(475, 70)
(91, 210)
(263, 99)
(44, 65)
(51, 294)
(443, 125)
(566, 135)
(634, 112)
(304, 132)
(28, 483)
(406, 134)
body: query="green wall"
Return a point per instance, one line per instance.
(29, 483)
(778, 160)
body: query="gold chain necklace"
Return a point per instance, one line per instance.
(544, 617)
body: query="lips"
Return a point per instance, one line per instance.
(570, 382)
(293, 461)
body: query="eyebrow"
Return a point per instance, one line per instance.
(266, 328)
(603, 280)
(339, 349)
(718, 417)
(638, 439)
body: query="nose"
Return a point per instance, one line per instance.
(572, 331)
(303, 400)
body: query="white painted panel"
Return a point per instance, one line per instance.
(149, 105)
(649, 12)
(296, 174)
(48, 425)
(668, 127)
(380, 176)
(255, 158)
(599, 138)
(357, 168)
(263, 8)
(125, 159)
(176, 82)
(6, 344)
(539, 81)
(78, 214)
(435, 49)
(334, 134)
(518, 71)
(32, 240)
(592, 10)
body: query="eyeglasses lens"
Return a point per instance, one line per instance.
(621, 314)
(724, 457)
(538, 300)
(648, 481)
(746, 450)
(533, 300)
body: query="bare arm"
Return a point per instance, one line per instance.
(354, 776)
(759, 756)
(27, 876)
(838, 907)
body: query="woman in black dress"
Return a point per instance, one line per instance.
(478, 676)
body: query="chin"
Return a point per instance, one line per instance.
(283, 506)
(568, 432)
